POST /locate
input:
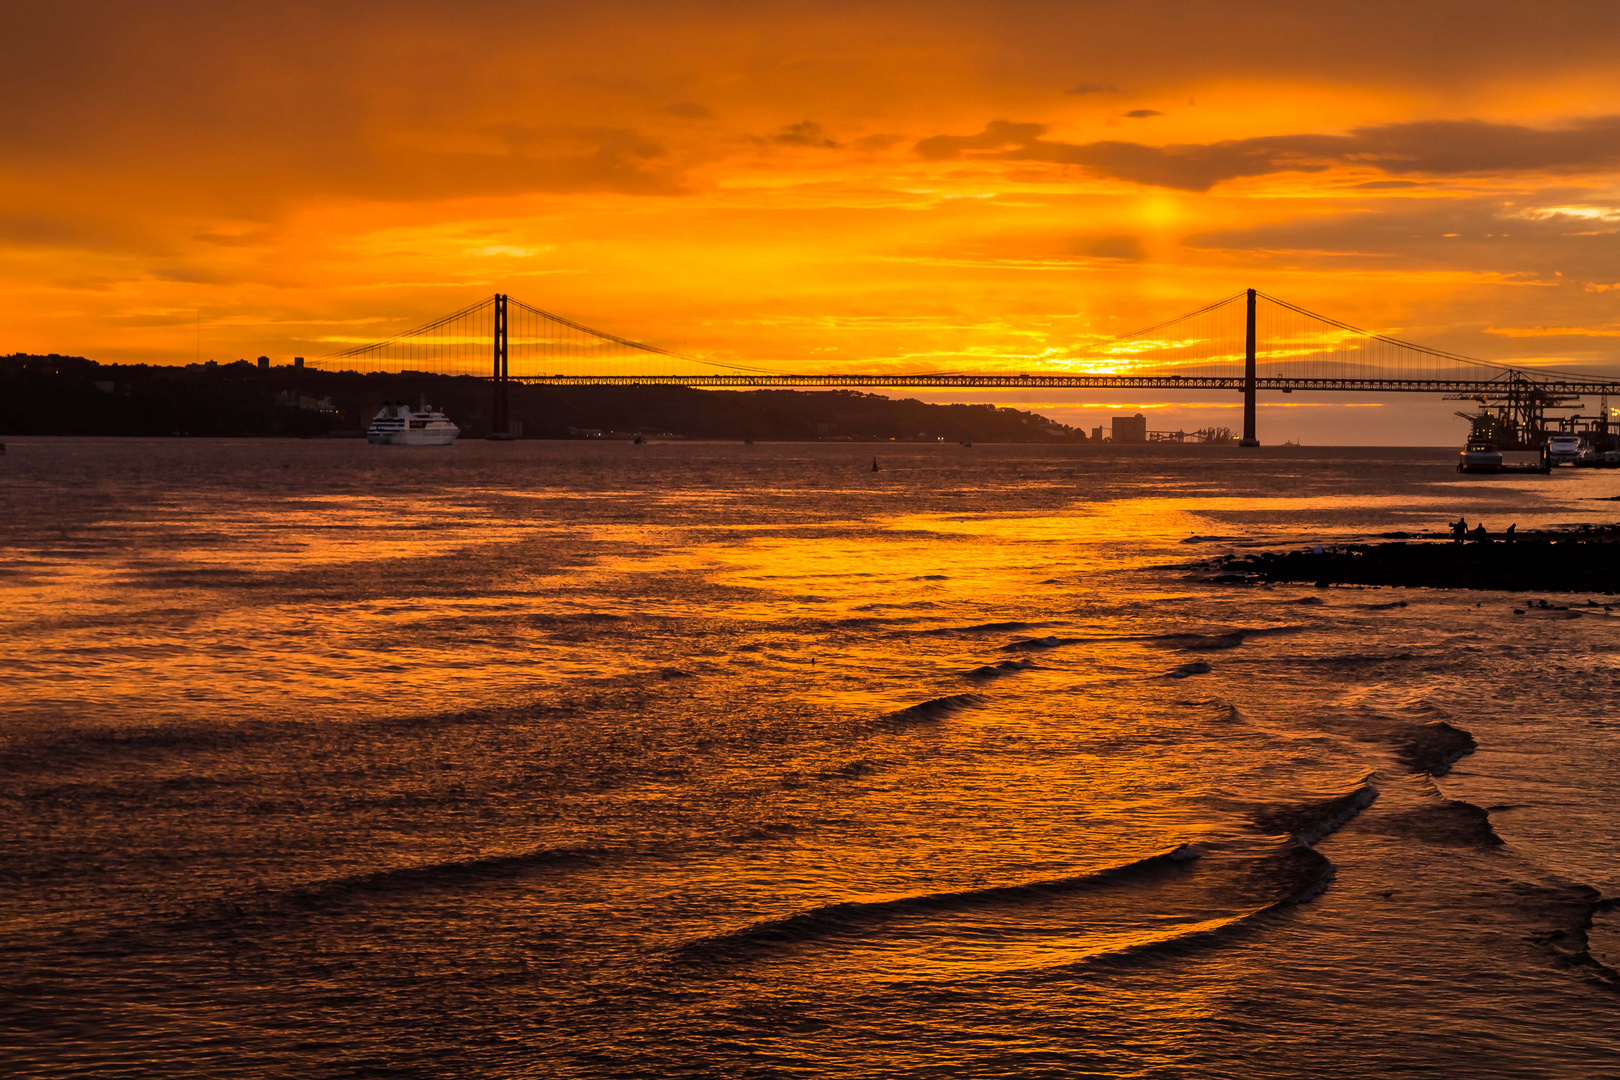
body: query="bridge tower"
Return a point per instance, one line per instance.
(1248, 381)
(499, 421)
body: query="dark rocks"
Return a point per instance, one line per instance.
(1557, 562)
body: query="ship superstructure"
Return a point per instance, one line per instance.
(397, 424)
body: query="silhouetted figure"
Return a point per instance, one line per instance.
(874, 464)
(1459, 530)
(1508, 536)
(1478, 534)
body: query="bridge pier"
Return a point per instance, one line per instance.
(1248, 382)
(499, 423)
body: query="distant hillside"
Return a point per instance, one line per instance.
(70, 395)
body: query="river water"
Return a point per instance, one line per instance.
(576, 759)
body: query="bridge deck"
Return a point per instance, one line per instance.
(1550, 386)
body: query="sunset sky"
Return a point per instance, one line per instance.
(813, 186)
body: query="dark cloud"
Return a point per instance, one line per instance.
(1191, 167)
(101, 232)
(1123, 246)
(1488, 236)
(1387, 185)
(193, 275)
(997, 135)
(247, 239)
(1435, 148)
(877, 142)
(1143, 114)
(39, 230)
(688, 110)
(804, 133)
(1091, 88)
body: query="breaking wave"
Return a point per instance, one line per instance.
(1304, 874)
(316, 896)
(978, 628)
(448, 874)
(852, 918)
(1041, 644)
(1309, 822)
(1449, 822)
(1433, 747)
(928, 711)
(1188, 640)
(1205, 642)
(995, 671)
(1356, 659)
(1577, 907)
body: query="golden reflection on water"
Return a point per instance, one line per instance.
(751, 759)
(178, 649)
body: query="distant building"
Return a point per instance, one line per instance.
(264, 363)
(1096, 433)
(298, 361)
(1131, 429)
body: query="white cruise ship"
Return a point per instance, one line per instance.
(397, 424)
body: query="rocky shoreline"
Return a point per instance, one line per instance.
(1587, 560)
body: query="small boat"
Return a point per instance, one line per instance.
(1480, 457)
(397, 424)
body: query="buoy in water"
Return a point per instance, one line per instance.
(874, 464)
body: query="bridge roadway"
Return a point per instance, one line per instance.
(1558, 387)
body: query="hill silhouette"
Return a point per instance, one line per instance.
(71, 395)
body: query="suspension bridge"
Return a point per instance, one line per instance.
(1247, 343)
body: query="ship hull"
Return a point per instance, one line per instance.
(413, 438)
(1480, 461)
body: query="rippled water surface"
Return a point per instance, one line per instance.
(538, 760)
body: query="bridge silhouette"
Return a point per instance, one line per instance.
(1247, 343)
